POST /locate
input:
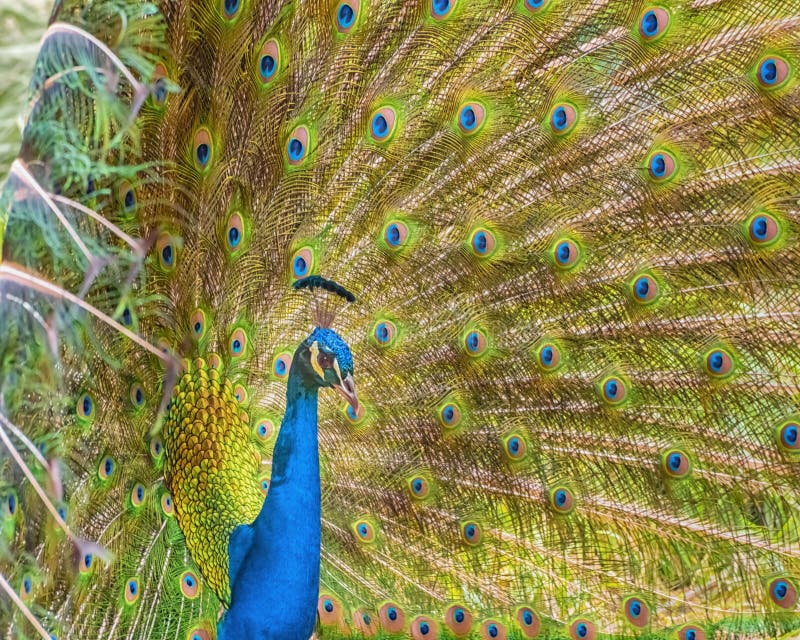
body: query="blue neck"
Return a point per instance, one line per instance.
(274, 568)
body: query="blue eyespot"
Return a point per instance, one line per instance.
(234, 237)
(562, 499)
(127, 318)
(535, 5)
(566, 253)
(483, 242)
(719, 363)
(129, 200)
(690, 635)
(560, 118)
(582, 630)
(424, 628)
(367, 620)
(236, 346)
(231, 7)
(203, 152)
(760, 228)
(198, 327)
(27, 585)
(514, 444)
(649, 24)
(267, 66)
(772, 72)
(280, 367)
(440, 8)
(345, 16)
(661, 166)
(87, 405)
(658, 165)
(87, 560)
(160, 90)
(328, 606)
(391, 613)
(458, 615)
(450, 414)
(300, 266)
(471, 533)
(90, 186)
(676, 463)
(382, 332)
(140, 492)
(547, 355)
(393, 236)
(296, 150)
(527, 617)
(109, 466)
(768, 72)
(11, 504)
(379, 126)
(167, 255)
(467, 118)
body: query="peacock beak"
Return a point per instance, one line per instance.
(348, 389)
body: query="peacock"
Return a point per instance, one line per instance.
(430, 319)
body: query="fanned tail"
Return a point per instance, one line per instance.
(571, 230)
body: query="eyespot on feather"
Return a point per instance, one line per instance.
(268, 62)
(644, 289)
(418, 487)
(561, 499)
(382, 124)
(763, 230)
(166, 250)
(482, 242)
(237, 345)
(234, 233)
(159, 90)
(471, 533)
(281, 365)
(136, 395)
(653, 23)
(202, 148)
(450, 414)
(788, 435)
(264, 429)
(199, 634)
(423, 628)
(661, 166)
(636, 611)
(548, 356)
(230, 8)
(297, 146)
(772, 72)
(563, 119)
(167, 507)
(392, 617)
(127, 196)
(395, 234)
(354, 416)
(137, 494)
(131, 590)
(302, 263)
(26, 587)
(475, 343)
(613, 390)
(85, 408)
(528, 621)
(106, 468)
(691, 632)
(86, 563)
(783, 593)
(198, 323)
(493, 630)
(566, 253)
(365, 623)
(676, 463)
(10, 502)
(471, 117)
(514, 447)
(440, 9)
(190, 585)
(583, 629)
(156, 448)
(536, 6)
(240, 393)
(719, 363)
(384, 333)
(346, 15)
(458, 619)
(329, 610)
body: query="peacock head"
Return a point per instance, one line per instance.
(324, 360)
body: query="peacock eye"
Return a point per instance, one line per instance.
(324, 360)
